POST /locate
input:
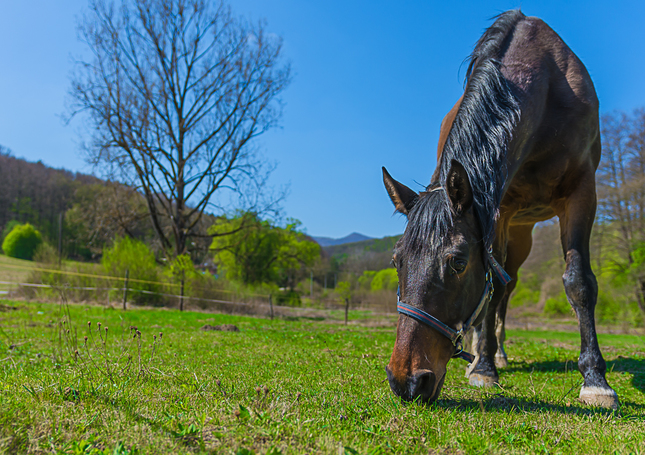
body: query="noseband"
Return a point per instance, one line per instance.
(457, 336)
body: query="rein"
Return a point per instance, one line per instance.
(457, 336)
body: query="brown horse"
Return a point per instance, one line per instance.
(522, 145)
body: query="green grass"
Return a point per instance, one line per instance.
(287, 386)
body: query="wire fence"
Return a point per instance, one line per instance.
(203, 294)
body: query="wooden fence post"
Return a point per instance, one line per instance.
(271, 305)
(181, 295)
(125, 288)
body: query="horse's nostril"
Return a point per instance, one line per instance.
(422, 385)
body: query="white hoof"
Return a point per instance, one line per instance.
(501, 361)
(479, 380)
(599, 396)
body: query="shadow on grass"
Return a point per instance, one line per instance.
(303, 318)
(501, 403)
(634, 366)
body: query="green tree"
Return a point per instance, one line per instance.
(365, 280)
(22, 241)
(385, 279)
(255, 251)
(134, 256)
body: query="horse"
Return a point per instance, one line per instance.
(520, 146)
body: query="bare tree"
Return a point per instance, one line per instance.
(621, 194)
(176, 91)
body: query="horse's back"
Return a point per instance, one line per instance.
(557, 140)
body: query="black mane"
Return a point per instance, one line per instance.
(479, 139)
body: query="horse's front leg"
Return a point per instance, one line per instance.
(482, 372)
(488, 339)
(581, 289)
(501, 360)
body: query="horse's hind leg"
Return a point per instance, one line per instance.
(576, 221)
(501, 359)
(520, 240)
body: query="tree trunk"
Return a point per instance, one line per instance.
(640, 295)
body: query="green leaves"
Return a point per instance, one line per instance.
(255, 251)
(22, 241)
(135, 256)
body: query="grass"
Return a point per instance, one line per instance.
(286, 386)
(8, 273)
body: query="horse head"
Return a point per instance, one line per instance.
(441, 261)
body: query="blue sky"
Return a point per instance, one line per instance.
(372, 81)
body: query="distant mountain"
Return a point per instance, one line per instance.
(371, 254)
(351, 238)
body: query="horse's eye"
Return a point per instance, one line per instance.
(458, 265)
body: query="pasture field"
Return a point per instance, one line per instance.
(287, 386)
(9, 273)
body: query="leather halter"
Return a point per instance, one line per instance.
(457, 336)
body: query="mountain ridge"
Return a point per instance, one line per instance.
(351, 238)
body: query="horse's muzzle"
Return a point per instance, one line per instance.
(421, 386)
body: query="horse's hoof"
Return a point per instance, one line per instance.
(479, 380)
(501, 361)
(599, 396)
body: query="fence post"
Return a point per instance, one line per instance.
(181, 295)
(125, 288)
(346, 309)
(271, 305)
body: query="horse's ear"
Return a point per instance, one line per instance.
(402, 197)
(458, 188)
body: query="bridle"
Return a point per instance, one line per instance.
(457, 336)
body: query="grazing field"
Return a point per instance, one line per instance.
(13, 270)
(286, 386)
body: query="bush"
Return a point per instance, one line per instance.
(365, 280)
(46, 254)
(288, 298)
(8, 228)
(22, 242)
(385, 279)
(523, 295)
(135, 256)
(557, 306)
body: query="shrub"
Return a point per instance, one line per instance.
(365, 280)
(46, 254)
(523, 295)
(8, 228)
(22, 242)
(385, 279)
(557, 306)
(288, 298)
(135, 256)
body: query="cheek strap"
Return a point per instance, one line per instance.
(457, 336)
